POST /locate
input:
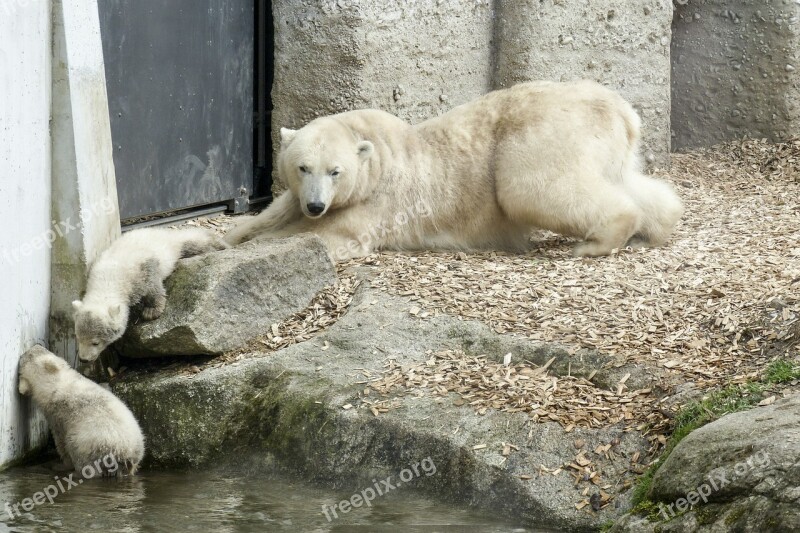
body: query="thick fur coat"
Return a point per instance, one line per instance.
(131, 272)
(555, 156)
(95, 433)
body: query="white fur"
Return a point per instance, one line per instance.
(130, 271)
(90, 425)
(557, 156)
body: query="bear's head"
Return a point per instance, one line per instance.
(39, 368)
(97, 326)
(325, 165)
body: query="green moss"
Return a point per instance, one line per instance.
(649, 510)
(734, 515)
(731, 399)
(606, 526)
(642, 489)
(706, 514)
(781, 371)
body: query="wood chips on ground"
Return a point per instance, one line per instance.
(713, 306)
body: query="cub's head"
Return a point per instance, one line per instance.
(322, 163)
(97, 326)
(38, 367)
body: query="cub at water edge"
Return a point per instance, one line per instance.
(131, 272)
(95, 433)
(556, 156)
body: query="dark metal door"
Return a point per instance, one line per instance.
(180, 95)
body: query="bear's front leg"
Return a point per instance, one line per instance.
(66, 462)
(153, 304)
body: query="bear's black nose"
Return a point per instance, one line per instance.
(315, 208)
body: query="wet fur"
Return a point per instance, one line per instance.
(88, 422)
(556, 156)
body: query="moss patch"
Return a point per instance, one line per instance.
(694, 415)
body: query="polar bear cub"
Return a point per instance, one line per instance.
(130, 272)
(95, 433)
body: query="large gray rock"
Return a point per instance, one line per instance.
(413, 59)
(621, 44)
(735, 71)
(219, 301)
(740, 473)
(287, 408)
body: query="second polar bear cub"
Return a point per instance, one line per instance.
(132, 272)
(95, 433)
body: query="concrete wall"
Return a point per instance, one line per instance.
(414, 59)
(24, 210)
(622, 44)
(735, 71)
(420, 58)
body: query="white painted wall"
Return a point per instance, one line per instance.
(25, 67)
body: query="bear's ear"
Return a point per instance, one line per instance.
(24, 386)
(77, 304)
(50, 367)
(287, 135)
(365, 149)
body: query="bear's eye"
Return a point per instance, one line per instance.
(95, 343)
(335, 172)
(303, 169)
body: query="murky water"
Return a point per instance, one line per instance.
(217, 502)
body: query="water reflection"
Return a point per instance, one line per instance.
(220, 502)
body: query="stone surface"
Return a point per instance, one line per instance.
(420, 59)
(746, 466)
(623, 45)
(285, 409)
(413, 59)
(735, 71)
(219, 301)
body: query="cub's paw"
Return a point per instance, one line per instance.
(151, 313)
(154, 308)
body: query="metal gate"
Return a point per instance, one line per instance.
(180, 80)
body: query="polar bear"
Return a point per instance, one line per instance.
(546, 155)
(95, 433)
(129, 272)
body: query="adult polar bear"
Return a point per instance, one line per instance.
(556, 156)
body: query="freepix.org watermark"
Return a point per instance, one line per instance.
(385, 228)
(57, 229)
(717, 480)
(379, 488)
(104, 466)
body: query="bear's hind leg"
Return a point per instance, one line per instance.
(587, 207)
(192, 248)
(615, 233)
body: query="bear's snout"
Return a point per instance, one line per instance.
(315, 208)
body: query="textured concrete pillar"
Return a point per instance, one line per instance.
(413, 59)
(84, 210)
(735, 71)
(621, 44)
